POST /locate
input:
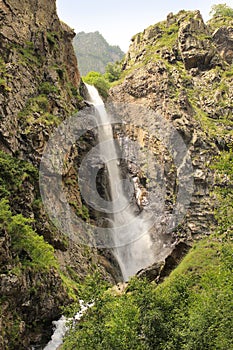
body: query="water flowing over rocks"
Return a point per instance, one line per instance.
(179, 69)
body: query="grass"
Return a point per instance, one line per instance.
(37, 110)
(13, 173)
(29, 248)
(28, 54)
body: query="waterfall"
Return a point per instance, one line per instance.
(131, 237)
(61, 327)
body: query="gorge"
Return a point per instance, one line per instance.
(172, 106)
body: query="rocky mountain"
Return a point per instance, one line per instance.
(39, 87)
(176, 80)
(94, 53)
(179, 70)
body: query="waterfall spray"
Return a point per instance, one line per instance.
(131, 253)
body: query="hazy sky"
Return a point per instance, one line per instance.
(119, 20)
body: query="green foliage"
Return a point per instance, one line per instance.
(13, 172)
(47, 88)
(191, 310)
(37, 109)
(28, 54)
(53, 39)
(221, 10)
(168, 37)
(98, 80)
(4, 77)
(30, 248)
(3, 84)
(35, 104)
(112, 72)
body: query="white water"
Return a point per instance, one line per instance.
(127, 227)
(61, 327)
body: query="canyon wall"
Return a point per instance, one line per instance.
(182, 69)
(40, 87)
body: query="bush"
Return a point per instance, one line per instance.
(29, 248)
(191, 310)
(112, 72)
(221, 10)
(47, 88)
(12, 174)
(100, 83)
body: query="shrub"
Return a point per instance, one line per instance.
(47, 88)
(29, 247)
(12, 174)
(112, 72)
(191, 310)
(100, 83)
(221, 10)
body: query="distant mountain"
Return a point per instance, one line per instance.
(94, 53)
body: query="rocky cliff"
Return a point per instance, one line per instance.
(39, 87)
(182, 69)
(39, 76)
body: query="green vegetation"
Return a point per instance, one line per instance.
(112, 72)
(53, 39)
(81, 211)
(47, 88)
(191, 310)
(168, 36)
(98, 80)
(29, 248)
(224, 173)
(4, 77)
(28, 54)
(3, 84)
(221, 123)
(37, 109)
(13, 173)
(222, 15)
(221, 10)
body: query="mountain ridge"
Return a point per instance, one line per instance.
(94, 53)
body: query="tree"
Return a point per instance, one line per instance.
(221, 10)
(100, 83)
(112, 72)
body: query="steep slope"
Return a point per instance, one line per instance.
(94, 53)
(39, 76)
(179, 69)
(182, 69)
(39, 87)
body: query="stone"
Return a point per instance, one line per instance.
(151, 273)
(223, 38)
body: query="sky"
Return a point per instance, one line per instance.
(119, 20)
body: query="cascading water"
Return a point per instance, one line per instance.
(61, 327)
(132, 241)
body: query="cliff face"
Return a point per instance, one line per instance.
(39, 75)
(39, 88)
(181, 68)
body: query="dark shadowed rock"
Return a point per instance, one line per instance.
(158, 271)
(174, 258)
(223, 38)
(152, 272)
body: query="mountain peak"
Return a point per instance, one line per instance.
(94, 52)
